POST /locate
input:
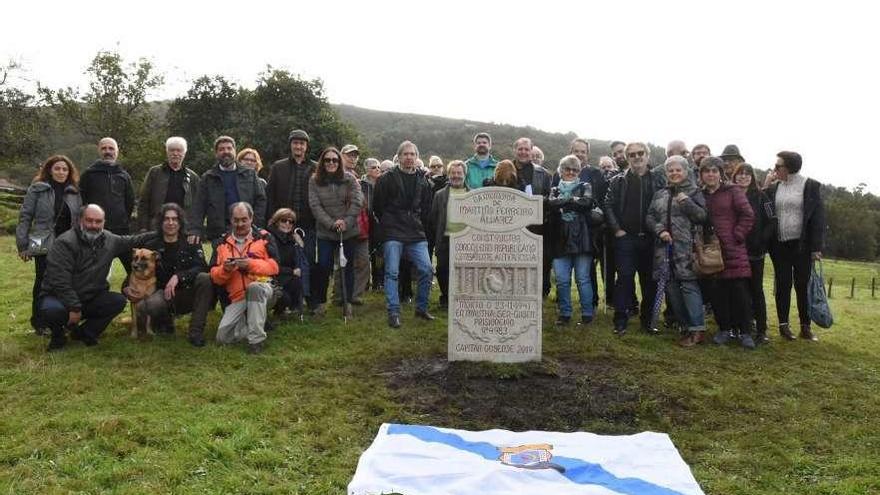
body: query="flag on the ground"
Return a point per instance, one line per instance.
(424, 460)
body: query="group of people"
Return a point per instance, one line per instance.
(278, 234)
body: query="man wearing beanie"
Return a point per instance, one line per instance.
(288, 187)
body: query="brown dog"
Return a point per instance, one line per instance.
(142, 283)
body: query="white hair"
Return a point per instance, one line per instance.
(175, 140)
(676, 159)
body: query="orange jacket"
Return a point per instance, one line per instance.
(258, 248)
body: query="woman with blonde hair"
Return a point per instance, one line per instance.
(250, 158)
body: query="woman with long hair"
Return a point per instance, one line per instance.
(756, 243)
(51, 207)
(335, 199)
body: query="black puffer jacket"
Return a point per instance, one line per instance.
(575, 236)
(758, 240)
(187, 264)
(108, 185)
(290, 254)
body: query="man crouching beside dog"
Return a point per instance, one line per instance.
(183, 284)
(243, 263)
(75, 293)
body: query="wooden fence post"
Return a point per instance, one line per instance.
(852, 288)
(873, 286)
(830, 285)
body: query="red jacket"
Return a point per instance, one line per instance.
(733, 218)
(259, 249)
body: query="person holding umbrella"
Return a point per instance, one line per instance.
(335, 199)
(673, 213)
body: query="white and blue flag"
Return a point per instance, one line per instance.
(424, 460)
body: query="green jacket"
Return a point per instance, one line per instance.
(476, 175)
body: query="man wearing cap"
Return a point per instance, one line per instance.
(288, 187)
(481, 166)
(220, 187)
(732, 159)
(361, 258)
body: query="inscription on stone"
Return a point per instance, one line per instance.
(495, 277)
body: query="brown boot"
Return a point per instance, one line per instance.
(808, 334)
(785, 331)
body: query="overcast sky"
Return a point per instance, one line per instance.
(766, 75)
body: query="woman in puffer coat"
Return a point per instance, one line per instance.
(51, 207)
(335, 199)
(673, 213)
(571, 243)
(732, 218)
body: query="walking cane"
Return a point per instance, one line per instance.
(301, 303)
(342, 262)
(605, 274)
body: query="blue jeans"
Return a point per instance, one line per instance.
(417, 253)
(562, 267)
(686, 300)
(326, 250)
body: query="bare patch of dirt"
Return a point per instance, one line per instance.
(562, 395)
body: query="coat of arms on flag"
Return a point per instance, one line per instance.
(425, 460)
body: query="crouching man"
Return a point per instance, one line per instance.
(75, 293)
(182, 279)
(243, 263)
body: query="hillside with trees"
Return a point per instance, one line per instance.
(116, 102)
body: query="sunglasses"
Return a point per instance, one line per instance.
(635, 154)
(286, 220)
(330, 160)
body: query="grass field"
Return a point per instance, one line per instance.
(163, 417)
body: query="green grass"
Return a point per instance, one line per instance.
(162, 417)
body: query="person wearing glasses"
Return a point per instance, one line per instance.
(800, 217)
(250, 158)
(291, 259)
(335, 200)
(626, 207)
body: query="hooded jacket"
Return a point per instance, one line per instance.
(109, 186)
(259, 248)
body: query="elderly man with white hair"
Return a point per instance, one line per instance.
(168, 182)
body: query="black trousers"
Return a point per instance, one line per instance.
(97, 313)
(40, 264)
(732, 304)
(791, 265)
(756, 292)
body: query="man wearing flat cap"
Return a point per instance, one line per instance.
(288, 187)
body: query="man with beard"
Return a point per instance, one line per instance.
(169, 182)
(402, 204)
(481, 166)
(76, 294)
(221, 186)
(626, 206)
(106, 184)
(442, 228)
(619, 156)
(288, 187)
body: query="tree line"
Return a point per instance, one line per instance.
(116, 102)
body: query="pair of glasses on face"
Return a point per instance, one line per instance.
(286, 220)
(635, 154)
(330, 160)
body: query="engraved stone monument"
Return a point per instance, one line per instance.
(495, 277)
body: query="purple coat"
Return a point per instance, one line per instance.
(732, 218)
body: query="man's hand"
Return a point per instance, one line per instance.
(171, 287)
(73, 316)
(339, 225)
(665, 236)
(620, 233)
(24, 256)
(229, 265)
(243, 264)
(192, 239)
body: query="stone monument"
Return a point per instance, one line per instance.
(495, 277)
